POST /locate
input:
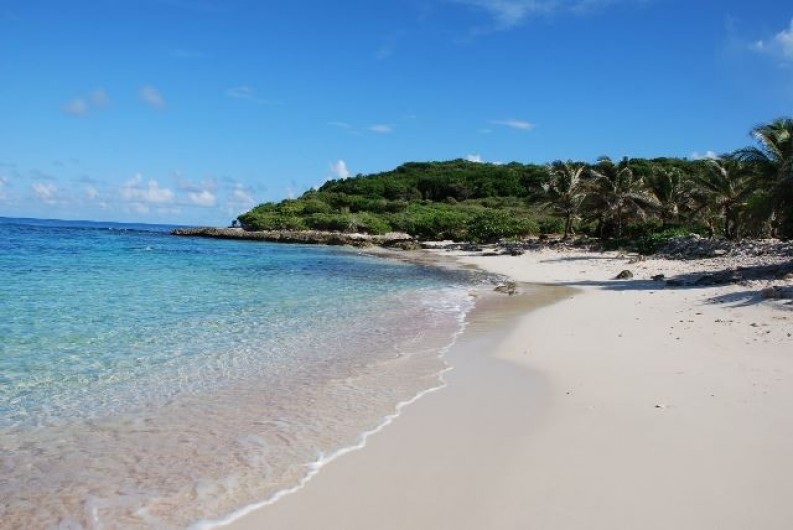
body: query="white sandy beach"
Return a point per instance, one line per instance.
(622, 406)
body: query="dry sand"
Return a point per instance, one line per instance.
(622, 406)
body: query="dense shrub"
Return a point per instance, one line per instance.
(370, 223)
(654, 241)
(271, 221)
(550, 225)
(331, 222)
(491, 225)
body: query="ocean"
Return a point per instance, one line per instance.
(148, 380)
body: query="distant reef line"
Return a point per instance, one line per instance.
(305, 237)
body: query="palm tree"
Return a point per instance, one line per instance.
(726, 186)
(565, 191)
(616, 194)
(773, 159)
(670, 194)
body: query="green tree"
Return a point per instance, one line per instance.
(726, 187)
(565, 191)
(616, 194)
(773, 160)
(670, 194)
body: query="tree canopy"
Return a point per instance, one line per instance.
(745, 193)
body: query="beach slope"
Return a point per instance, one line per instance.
(624, 405)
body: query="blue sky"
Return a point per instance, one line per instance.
(192, 111)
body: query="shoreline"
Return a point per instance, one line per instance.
(491, 308)
(313, 468)
(680, 423)
(492, 315)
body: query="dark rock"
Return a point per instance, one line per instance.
(696, 247)
(659, 278)
(708, 279)
(403, 244)
(777, 293)
(624, 275)
(315, 237)
(509, 288)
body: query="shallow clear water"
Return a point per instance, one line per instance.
(149, 380)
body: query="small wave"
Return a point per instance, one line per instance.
(313, 468)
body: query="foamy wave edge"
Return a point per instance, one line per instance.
(316, 466)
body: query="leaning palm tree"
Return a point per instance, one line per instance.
(773, 159)
(725, 187)
(565, 191)
(616, 194)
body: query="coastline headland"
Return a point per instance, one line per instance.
(306, 237)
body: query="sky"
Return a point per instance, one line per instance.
(193, 111)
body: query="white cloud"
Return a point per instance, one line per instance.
(95, 197)
(341, 125)
(138, 208)
(249, 94)
(474, 158)
(37, 174)
(241, 195)
(203, 198)
(99, 98)
(152, 97)
(46, 192)
(242, 92)
(169, 211)
(514, 124)
(339, 169)
(381, 128)
(134, 190)
(185, 184)
(708, 155)
(239, 201)
(347, 127)
(507, 14)
(76, 107)
(3, 184)
(780, 45)
(84, 104)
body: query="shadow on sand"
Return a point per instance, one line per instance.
(695, 281)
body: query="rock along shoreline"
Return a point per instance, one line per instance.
(306, 237)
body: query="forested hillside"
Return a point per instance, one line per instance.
(745, 193)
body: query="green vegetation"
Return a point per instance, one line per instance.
(646, 201)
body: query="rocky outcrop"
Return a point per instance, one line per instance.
(697, 247)
(777, 292)
(741, 274)
(309, 237)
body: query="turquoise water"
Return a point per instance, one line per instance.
(154, 381)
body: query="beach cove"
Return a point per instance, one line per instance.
(622, 405)
(149, 381)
